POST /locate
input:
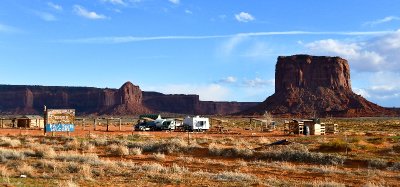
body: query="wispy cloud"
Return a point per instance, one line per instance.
(229, 80)
(174, 1)
(55, 6)
(81, 11)
(188, 11)
(128, 39)
(258, 82)
(383, 20)
(45, 16)
(8, 29)
(116, 2)
(244, 17)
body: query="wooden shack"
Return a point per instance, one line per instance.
(30, 121)
(307, 126)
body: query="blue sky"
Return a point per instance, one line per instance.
(222, 50)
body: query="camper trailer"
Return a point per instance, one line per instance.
(196, 123)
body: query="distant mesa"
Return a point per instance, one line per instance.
(129, 99)
(315, 85)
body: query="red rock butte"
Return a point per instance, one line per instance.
(315, 85)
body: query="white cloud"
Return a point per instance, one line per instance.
(174, 1)
(188, 11)
(229, 79)
(55, 6)
(371, 55)
(116, 2)
(81, 11)
(244, 17)
(258, 82)
(206, 92)
(46, 16)
(383, 20)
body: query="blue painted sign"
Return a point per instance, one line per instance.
(60, 127)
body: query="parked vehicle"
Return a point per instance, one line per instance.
(155, 124)
(196, 123)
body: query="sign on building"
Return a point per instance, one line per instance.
(60, 120)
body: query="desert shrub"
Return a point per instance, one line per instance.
(154, 167)
(300, 153)
(396, 148)
(44, 152)
(336, 145)
(174, 145)
(203, 140)
(26, 169)
(135, 151)
(376, 140)
(395, 166)
(68, 183)
(99, 142)
(10, 154)
(158, 156)
(215, 149)
(326, 184)
(85, 171)
(91, 159)
(86, 146)
(176, 169)
(354, 139)
(72, 167)
(71, 145)
(4, 171)
(234, 176)
(241, 163)
(372, 184)
(8, 142)
(117, 150)
(377, 163)
(323, 169)
(46, 164)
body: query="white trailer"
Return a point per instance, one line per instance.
(196, 123)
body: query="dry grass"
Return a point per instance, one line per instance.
(5, 172)
(135, 151)
(117, 150)
(8, 142)
(10, 154)
(44, 152)
(26, 169)
(158, 156)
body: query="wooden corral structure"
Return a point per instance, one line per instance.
(264, 124)
(30, 121)
(310, 127)
(109, 121)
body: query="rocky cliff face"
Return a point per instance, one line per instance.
(30, 99)
(127, 100)
(315, 85)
